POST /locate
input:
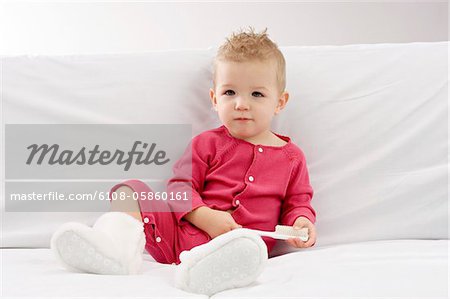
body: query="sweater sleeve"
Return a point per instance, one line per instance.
(298, 196)
(188, 176)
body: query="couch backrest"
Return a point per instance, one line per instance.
(371, 120)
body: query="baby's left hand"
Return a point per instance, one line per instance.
(300, 223)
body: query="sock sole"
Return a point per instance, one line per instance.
(75, 250)
(234, 264)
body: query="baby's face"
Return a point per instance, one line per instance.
(247, 97)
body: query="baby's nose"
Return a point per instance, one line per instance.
(241, 104)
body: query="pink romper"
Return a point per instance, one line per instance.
(263, 185)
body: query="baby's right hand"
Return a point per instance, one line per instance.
(217, 222)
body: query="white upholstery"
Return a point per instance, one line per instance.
(380, 269)
(371, 120)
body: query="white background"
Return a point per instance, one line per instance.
(76, 27)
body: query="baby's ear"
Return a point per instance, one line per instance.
(212, 96)
(282, 101)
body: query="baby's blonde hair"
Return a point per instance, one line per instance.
(249, 45)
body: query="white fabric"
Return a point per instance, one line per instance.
(371, 119)
(114, 245)
(231, 260)
(381, 269)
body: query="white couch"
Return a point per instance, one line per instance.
(371, 120)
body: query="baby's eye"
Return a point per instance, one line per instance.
(229, 92)
(257, 94)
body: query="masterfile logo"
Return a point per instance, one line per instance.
(53, 155)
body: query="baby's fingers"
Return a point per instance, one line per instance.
(295, 242)
(312, 238)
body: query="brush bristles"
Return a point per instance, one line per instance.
(290, 231)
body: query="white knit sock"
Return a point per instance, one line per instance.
(232, 260)
(114, 245)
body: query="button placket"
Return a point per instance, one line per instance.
(159, 242)
(251, 178)
(162, 244)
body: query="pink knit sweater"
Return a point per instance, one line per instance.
(265, 185)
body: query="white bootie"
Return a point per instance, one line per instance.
(232, 260)
(114, 245)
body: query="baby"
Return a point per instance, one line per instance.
(244, 176)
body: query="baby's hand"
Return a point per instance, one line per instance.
(217, 222)
(300, 223)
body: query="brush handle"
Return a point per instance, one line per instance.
(274, 235)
